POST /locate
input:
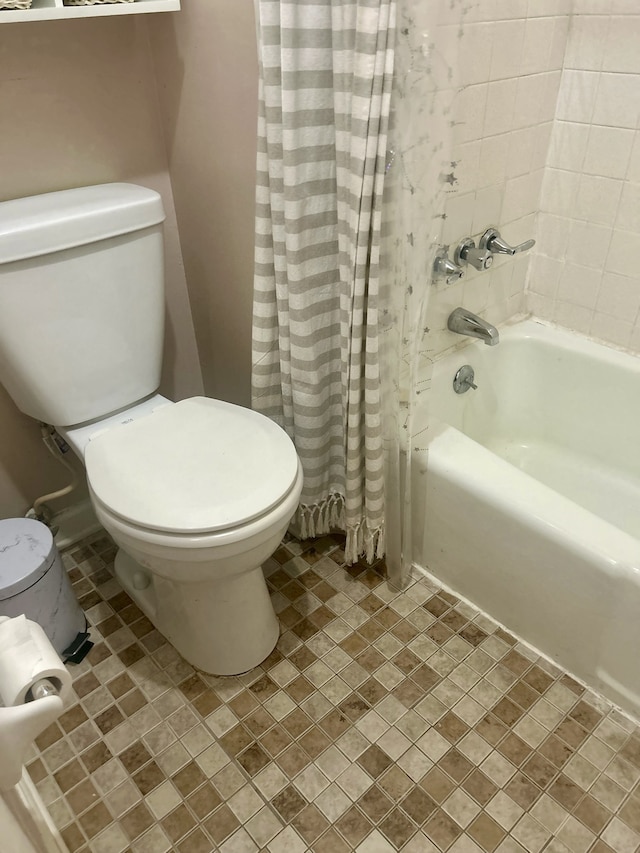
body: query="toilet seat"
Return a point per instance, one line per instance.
(194, 467)
(192, 549)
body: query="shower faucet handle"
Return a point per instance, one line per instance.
(493, 242)
(467, 253)
(444, 267)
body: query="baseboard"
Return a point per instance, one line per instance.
(75, 523)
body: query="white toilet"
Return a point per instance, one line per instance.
(198, 493)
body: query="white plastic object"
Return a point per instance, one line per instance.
(33, 581)
(27, 552)
(81, 301)
(27, 657)
(19, 727)
(207, 593)
(21, 724)
(79, 437)
(141, 580)
(198, 466)
(43, 224)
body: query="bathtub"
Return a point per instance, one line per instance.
(529, 506)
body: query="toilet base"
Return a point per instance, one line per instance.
(222, 627)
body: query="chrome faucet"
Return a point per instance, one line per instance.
(468, 253)
(443, 267)
(463, 322)
(492, 241)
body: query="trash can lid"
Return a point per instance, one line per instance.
(27, 551)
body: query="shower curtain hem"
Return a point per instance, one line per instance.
(329, 515)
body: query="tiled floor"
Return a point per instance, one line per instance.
(384, 721)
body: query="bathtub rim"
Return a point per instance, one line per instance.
(525, 326)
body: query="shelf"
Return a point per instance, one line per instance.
(54, 10)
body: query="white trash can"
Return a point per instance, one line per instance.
(33, 581)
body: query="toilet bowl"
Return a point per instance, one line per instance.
(197, 493)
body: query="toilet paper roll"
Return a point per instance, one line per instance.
(26, 656)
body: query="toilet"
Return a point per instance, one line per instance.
(198, 493)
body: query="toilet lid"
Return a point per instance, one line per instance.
(196, 466)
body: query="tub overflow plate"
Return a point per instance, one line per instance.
(463, 380)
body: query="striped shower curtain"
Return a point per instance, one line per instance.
(325, 84)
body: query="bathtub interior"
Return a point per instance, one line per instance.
(563, 410)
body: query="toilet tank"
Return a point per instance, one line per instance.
(81, 301)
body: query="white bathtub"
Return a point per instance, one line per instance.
(530, 504)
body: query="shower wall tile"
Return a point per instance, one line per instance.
(507, 57)
(548, 8)
(597, 198)
(499, 110)
(487, 208)
(543, 138)
(592, 7)
(619, 296)
(618, 100)
(560, 190)
(469, 118)
(522, 149)
(538, 43)
(577, 96)
(476, 44)
(628, 218)
(608, 151)
(621, 53)
(588, 244)
(578, 284)
(521, 196)
(587, 41)
(633, 173)
(623, 254)
(568, 148)
(585, 272)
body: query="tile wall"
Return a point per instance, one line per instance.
(508, 57)
(585, 273)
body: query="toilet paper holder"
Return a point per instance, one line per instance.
(43, 688)
(33, 685)
(20, 725)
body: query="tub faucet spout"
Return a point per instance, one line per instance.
(463, 322)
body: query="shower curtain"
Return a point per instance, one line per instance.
(325, 84)
(342, 357)
(421, 173)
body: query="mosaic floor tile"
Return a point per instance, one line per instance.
(382, 721)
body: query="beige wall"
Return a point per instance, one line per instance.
(78, 106)
(207, 84)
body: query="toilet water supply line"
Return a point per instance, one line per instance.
(57, 447)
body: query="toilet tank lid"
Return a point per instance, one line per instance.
(27, 551)
(41, 224)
